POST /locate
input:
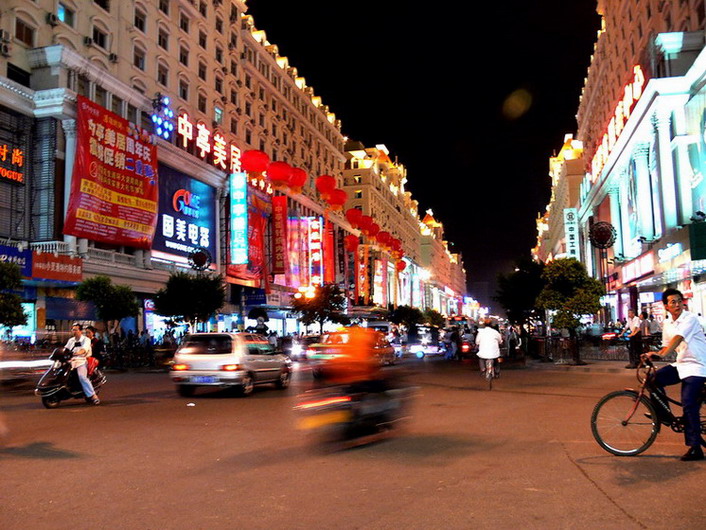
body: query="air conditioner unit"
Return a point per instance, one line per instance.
(239, 82)
(225, 69)
(239, 110)
(52, 19)
(4, 35)
(5, 49)
(88, 41)
(113, 57)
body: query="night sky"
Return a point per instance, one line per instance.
(473, 98)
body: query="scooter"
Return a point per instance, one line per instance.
(341, 417)
(60, 382)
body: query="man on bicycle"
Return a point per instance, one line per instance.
(683, 333)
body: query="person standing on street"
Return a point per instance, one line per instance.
(80, 348)
(645, 332)
(682, 332)
(634, 338)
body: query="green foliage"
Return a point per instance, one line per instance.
(518, 291)
(407, 315)
(113, 302)
(434, 318)
(569, 291)
(327, 305)
(11, 313)
(190, 298)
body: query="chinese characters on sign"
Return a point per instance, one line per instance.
(12, 163)
(279, 234)
(21, 258)
(186, 214)
(238, 219)
(208, 144)
(114, 186)
(316, 259)
(63, 268)
(571, 232)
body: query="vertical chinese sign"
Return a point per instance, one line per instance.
(238, 219)
(316, 251)
(279, 234)
(571, 232)
(114, 188)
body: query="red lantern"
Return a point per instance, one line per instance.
(353, 215)
(297, 179)
(279, 174)
(397, 254)
(254, 161)
(396, 244)
(337, 198)
(364, 223)
(325, 184)
(373, 229)
(384, 238)
(351, 243)
(401, 265)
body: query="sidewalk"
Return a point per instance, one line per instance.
(591, 366)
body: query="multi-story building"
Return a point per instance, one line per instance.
(204, 69)
(640, 120)
(433, 277)
(557, 228)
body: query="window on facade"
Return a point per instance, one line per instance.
(218, 115)
(233, 13)
(202, 39)
(202, 103)
(202, 71)
(184, 22)
(233, 96)
(248, 81)
(101, 96)
(184, 56)
(218, 85)
(358, 194)
(219, 25)
(65, 14)
(183, 90)
(357, 178)
(116, 105)
(138, 58)
(164, 6)
(163, 75)
(203, 8)
(100, 38)
(163, 39)
(24, 32)
(234, 125)
(248, 137)
(262, 120)
(140, 20)
(248, 108)
(105, 4)
(233, 68)
(219, 54)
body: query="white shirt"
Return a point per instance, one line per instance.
(77, 345)
(633, 324)
(488, 341)
(691, 353)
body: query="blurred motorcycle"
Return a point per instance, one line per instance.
(60, 382)
(342, 417)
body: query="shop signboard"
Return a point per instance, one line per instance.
(571, 232)
(316, 251)
(113, 196)
(187, 215)
(12, 162)
(21, 258)
(47, 266)
(238, 219)
(279, 234)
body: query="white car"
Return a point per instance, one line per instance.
(238, 360)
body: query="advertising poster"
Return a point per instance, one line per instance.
(21, 258)
(114, 187)
(187, 216)
(47, 266)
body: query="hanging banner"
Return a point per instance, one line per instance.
(279, 234)
(114, 188)
(362, 285)
(329, 254)
(316, 258)
(378, 282)
(47, 266)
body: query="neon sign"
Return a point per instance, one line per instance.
(621, 114)
(210, 146)
(238, 219)
(163, 117)
(315, 251)
(12, 161)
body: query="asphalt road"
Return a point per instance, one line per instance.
(521, 455)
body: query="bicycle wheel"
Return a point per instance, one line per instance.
(616, 432)
(489, 373)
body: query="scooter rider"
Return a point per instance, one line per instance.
(80, 348)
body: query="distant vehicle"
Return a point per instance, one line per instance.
(301, 347)
(221, 360)
(425, 342)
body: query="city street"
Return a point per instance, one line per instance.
(521, 455)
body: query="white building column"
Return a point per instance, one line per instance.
(69, 128)
(615, 220)
(645, 213)
(665, 165)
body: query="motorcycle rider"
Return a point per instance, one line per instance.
(80, 348)
(355, 364)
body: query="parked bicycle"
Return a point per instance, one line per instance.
(627, 422)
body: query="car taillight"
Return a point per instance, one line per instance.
(230, 367)
(179, 367)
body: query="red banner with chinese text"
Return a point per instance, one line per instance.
(47, 266)
(329, 254)
(279, 234)
(114, 188)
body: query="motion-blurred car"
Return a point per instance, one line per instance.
(238, 360)
(326, 349)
